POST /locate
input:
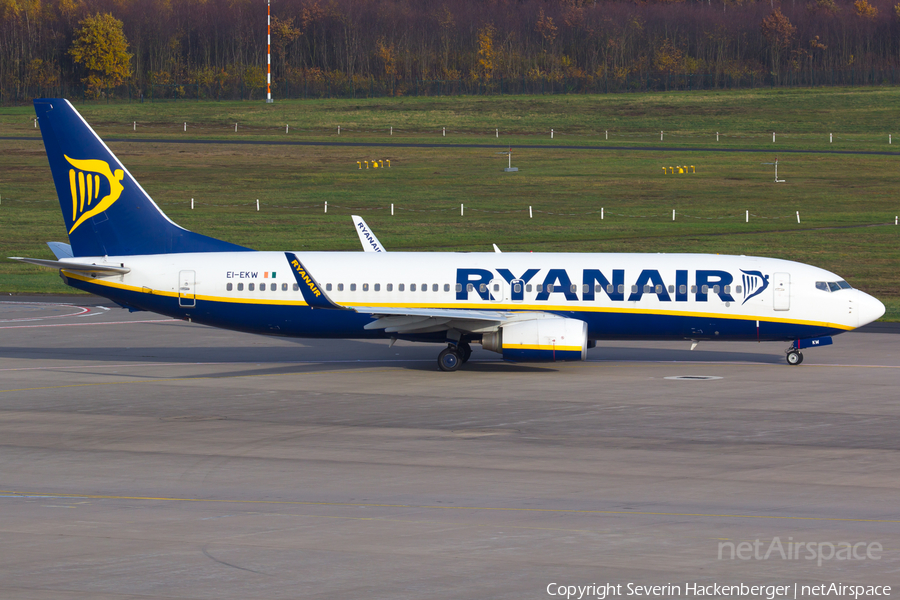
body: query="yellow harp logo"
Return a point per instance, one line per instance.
(84, 182)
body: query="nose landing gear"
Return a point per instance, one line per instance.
(794, 357)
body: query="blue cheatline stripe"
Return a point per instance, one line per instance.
(298, 320)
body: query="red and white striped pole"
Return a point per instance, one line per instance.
(269, 51)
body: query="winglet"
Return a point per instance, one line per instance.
(313, 294)
(368, 240)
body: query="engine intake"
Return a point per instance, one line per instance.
(551, 339)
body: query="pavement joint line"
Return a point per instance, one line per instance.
(94, 323)
(25, 495)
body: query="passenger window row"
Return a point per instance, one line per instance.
(610, 289)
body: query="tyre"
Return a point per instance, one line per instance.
(449, 360)
(794, 358)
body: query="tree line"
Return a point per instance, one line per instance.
(394, 47)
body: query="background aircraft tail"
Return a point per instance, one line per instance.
(107, 212)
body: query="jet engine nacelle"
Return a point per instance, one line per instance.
(551, 339)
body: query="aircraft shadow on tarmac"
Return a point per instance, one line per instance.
(351, 354)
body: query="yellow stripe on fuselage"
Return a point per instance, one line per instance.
(496, 306)
(541, 347)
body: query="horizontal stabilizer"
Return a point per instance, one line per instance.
(61, 250)
(72, 266)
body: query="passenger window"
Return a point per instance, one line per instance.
(715, 289)
(434, 287)
(400, 287)
(377, 287)
(586, 288)
(327, 287)
(352, 287)
(634, 289)
(340, 287)
(240, 287)
(446, 287)
(365, 287)
(648, 288)
(458, 287)
(597, 288)
(389, 287)
(482, 288)
(671, 289)
(528, 287)
(539, 288)
(284, 287)
(412, 287)
(621, 288)
(573, 288)
(470, 287)
(610, 289)
(682, 289)
(496, 287)
(705, 289)
(727, 289)
(296, 287)
(517, 288)
(659, 289)
(250, 286)
(694, 289)
(424, 287)
(737, 289)
(228, 287)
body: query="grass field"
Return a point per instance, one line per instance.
(847, 203)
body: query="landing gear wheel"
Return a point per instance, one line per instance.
(449, 359)
(794, 357)
(465, 351)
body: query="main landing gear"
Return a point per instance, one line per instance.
(453, 356)
(794, 356)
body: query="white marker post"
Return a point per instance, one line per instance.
(134, 126)
(192, 204)
(830, 138)
(747, 217)
(185, 126)
(35, 123)
(798, 216)
(895, 220)
(531, 216)
(717, 136)
(257, 205)
(673, 214)
(392, 209)
(326, 206)
(339, 130)
(607, 134)
(660, 136)
(551, 134)
(235, 127)
(462, 211)
(601, 213)
(773, 137)
(497, 132)
(444, 134)
(392, 130)
(285, 128)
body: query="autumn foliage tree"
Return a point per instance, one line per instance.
(100, 47)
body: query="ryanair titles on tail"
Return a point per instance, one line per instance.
(594, 281)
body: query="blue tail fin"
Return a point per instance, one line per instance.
(107, 212)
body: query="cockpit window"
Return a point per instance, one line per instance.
(832, 286)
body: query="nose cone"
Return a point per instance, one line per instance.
(868, 308)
